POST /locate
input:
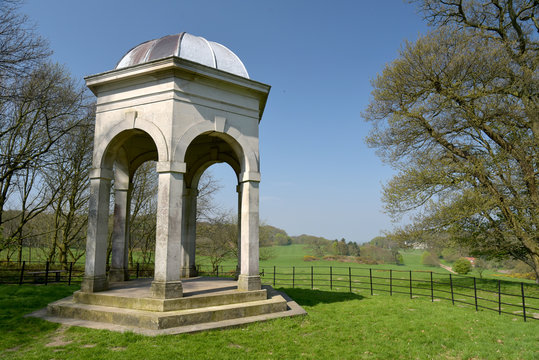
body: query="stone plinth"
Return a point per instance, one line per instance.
(206, 304)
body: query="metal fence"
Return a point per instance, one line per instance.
(504, 297)
(37, 272)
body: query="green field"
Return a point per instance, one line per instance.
(338, 326)
(497, 294)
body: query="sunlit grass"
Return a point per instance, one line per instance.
(338, 326)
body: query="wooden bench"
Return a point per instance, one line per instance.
(55, 272)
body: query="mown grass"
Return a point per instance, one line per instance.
(338, 326)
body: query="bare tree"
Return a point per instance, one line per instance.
(143, 213)
(218, 239)
(207, 209)
(21, 49)
(48, 106)
(67, 179)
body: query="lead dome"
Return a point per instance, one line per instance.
(189, 47)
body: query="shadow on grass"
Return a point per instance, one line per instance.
(313, 297)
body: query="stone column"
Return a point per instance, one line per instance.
(120, 235)
(249, 278)
(238, 265)
(166, 283)
(188, 268)
(96, 243)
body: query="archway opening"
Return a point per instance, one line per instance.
(131, 236)
(212, 230)
(142, 220)
(217, 229)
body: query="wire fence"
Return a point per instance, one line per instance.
(504, 297)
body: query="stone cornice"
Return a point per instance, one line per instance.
(179, 66)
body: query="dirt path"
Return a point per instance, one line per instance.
(448, 268)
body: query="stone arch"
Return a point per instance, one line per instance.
(204, 163)
(124, 150)
(247, 155)
(114, 138)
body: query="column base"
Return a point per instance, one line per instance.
(116, 275)
(188, 272)
(166, 289)
(92, 284)
(249, 282)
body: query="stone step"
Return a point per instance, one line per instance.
(67, 308)
(184, 303)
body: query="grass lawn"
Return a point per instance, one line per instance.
(338, 326)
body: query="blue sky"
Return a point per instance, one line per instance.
(318, 176)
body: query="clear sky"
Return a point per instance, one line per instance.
(318, 176)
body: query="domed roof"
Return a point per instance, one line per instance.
(189, 47)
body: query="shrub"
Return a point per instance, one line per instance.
(399, 259)
(376, 255)
(309, 258)
(462, 266)
(427, 258)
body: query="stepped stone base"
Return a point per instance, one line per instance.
(206, 304)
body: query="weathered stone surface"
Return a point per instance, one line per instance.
(206, 301)
(189, 272)
(167, 290)
(249, 283)
(116, 275)
(164, 320)
(94, 283)
(183, 303)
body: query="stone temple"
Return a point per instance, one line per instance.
(186, 103)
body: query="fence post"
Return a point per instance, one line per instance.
(451, 284)
(350, 278)
(22, 273)
(499, 298)
(293, 276)
(475, 292)
(370, 277)
(410, 284)
(273, 275)
(331, 277)
(431, 289)
(312, 275)
(70, 272)
(138, 268)
(523, 300)
(390, 282)
(47, 273)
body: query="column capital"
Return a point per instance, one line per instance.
(101, 173)
(250, 176)
(171, 167)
